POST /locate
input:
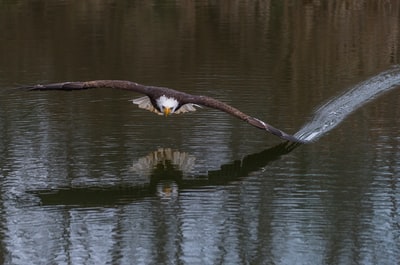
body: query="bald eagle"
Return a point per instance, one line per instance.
(166, 101)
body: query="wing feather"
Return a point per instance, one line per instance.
(188, 107)
(145, 103)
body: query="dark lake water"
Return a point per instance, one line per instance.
(88, 178)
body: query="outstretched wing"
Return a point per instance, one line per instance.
(216, 104)
(116, 84)
(190, 101)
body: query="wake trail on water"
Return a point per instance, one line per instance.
(332, 113)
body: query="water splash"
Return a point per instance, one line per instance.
(332, 113)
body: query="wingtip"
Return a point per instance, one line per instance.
(262, 125)
(27, 88)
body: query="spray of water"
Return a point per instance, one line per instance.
(332, 113)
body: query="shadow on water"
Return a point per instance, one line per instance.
(332, 113)
(163, 169)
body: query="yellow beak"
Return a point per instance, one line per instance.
(167, 111)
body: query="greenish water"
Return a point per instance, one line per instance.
(88, 178)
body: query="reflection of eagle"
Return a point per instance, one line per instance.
(181, 161)
(165, 101)
(165, 180)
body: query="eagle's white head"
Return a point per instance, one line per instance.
(167, 105)
(164, 105)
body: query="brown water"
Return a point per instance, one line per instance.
(88, 178)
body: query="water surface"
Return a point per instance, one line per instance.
(88, 178)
